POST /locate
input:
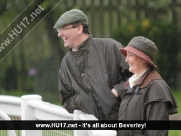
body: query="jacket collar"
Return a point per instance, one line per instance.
(145, 79)
(84, 47)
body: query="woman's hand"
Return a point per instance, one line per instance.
(114, 92)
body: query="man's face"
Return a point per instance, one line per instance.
(68, 33)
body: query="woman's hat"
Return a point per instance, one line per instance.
(142, 47)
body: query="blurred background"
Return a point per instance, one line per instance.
(32, 66)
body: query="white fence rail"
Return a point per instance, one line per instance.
(31, 107)
(4, 116)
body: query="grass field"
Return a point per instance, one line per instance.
(177, 95)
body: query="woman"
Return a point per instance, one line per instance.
(148, 96)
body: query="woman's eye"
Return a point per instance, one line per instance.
(130, 54)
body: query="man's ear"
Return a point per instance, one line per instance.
(80, 29)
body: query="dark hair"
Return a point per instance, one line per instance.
(84, 24)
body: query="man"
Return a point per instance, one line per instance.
(91, 72)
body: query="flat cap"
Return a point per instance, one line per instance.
(71, 16)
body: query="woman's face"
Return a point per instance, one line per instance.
(136, 64)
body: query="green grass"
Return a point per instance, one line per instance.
(174, 133)
(177, 95)
(13, 93)
(47, 97)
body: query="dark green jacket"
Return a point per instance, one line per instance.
(149, 99)
(87, 76)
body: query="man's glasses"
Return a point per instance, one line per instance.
(65, 28)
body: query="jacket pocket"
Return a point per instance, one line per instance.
(113, 95)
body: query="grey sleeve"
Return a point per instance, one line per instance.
(157, 111)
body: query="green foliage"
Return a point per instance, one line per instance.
(10, 80)
(166, 37)
(46, 80)
(39, 43)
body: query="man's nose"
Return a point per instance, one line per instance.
(60, 34)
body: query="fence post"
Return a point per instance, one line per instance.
(27, 113)
(79, 132)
